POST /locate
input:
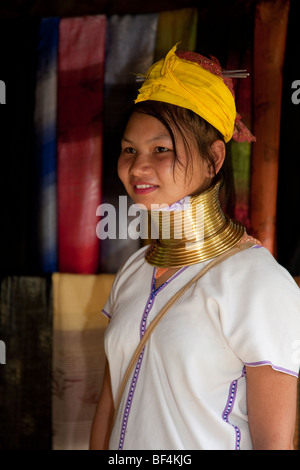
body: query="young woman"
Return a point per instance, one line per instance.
(220, 370)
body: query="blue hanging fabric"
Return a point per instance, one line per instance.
(45, 140)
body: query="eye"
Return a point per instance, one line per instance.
(129, 150)
(161, 149)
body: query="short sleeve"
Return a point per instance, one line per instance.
(107, 310)
(262, 318)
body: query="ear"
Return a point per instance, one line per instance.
(218, 151)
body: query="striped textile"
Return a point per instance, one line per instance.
(78, 356)
(176, 26)
(271, 21)
(45, 141)
(241, 151)
(80, 102)
(130, 50)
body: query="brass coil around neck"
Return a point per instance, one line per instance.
(196, 234)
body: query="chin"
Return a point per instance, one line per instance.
(144, 205)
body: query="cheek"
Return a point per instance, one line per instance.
(166, 168)
(123, 169)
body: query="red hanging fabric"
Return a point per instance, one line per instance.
(269, 49)
(80, 98)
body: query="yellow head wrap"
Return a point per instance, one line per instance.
(187, 84)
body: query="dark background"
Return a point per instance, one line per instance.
(223, 26)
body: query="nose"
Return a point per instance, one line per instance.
(140, 165)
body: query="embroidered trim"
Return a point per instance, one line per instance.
(229, 407)
(149, 305)
(129, 400)
(133, 383)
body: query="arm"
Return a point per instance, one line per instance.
(271, 401)
(102, 423)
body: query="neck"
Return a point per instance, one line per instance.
(198, 233)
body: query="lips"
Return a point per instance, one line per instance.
(143, 188)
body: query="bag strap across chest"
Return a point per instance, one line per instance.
(166, 308)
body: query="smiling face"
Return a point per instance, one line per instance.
(146, 164)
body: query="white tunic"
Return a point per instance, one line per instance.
(188, 389)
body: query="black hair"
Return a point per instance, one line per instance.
(192, 127)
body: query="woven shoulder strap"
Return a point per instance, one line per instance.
(166, 308)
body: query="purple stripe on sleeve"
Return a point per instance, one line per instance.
(268, 363)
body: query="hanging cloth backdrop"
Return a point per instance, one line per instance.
(269, 50)
(80, 97)
(175, 26)
(130, 50)
(45, 141)
(130, 47)
(240, 57)
(26, 329)
(78, 355)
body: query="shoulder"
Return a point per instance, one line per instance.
(256, 289)
(259, 307)
(252, 285)
(257, 265)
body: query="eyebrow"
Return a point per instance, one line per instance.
(157, 137)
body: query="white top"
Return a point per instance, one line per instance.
(188, 390)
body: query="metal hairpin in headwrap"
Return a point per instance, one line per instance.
(242, 73)
(235, 73)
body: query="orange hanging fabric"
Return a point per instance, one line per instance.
(269, 49)
(80, 96)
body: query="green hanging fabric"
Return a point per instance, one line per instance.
(241, 164)
(176, 26)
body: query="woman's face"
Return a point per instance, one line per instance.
(146, 164)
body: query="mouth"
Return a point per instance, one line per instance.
(144, 188)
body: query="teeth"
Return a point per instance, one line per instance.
(144, 186)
